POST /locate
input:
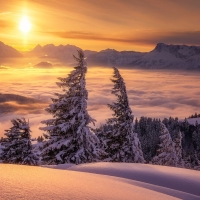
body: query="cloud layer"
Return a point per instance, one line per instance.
(13, 103)
(151, 93)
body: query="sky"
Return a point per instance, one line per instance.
(96, 25)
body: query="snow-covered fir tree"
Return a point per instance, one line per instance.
(121, 143)
(178, 150)
(196, 138)
(173, 126)
(166, 152)
(70, 139)
(17, 147)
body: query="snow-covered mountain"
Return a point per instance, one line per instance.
(8, 51)
(163, 56)
(171, 57)
(113, 57)
(52, 51)
(63, 52)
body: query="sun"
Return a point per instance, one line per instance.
(25, 25)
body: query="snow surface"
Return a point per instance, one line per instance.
(175, 182)
(193, 121)
(161, 178)
(99, 181)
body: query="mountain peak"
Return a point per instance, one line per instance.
(160, 47)
(108, 50)
(8, 51)
(38, 47)
(1, 43)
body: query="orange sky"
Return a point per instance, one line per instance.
(96, 25)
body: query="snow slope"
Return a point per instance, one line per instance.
(176, 182)
(99, 181)
(27, 182)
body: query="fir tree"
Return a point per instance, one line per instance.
(70, 137)
(40, 139)
(17, 147)
(172, 124)
(178, 150)
(166, 152)
(148, 130)
(122, 143)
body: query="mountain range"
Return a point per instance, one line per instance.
(163, 56)
(61, 52)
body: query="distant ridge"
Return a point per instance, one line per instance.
(8, 51)
(163, 56)
(170, 57)
(113, 57)
(63, 52)
(44, 64)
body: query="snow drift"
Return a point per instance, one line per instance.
(99, 181)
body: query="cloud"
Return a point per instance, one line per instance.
(4, 24)
(5, 13)
(28, 108)
(12, 103)
(17, 98)
(145, 37)
(4, 67)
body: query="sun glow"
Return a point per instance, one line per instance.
(25, 25)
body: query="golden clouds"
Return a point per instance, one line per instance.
(101, 24)
(142, 37)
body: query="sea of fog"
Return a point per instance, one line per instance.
(152, 93)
